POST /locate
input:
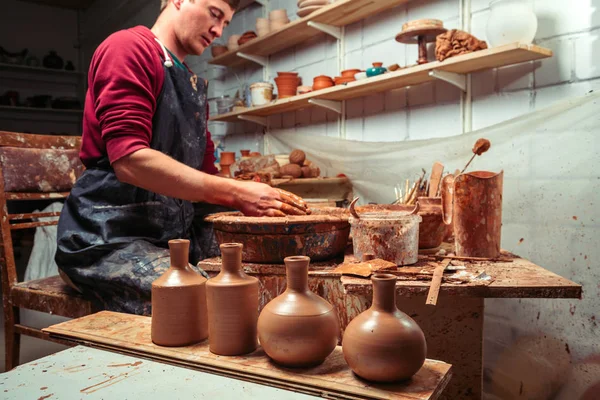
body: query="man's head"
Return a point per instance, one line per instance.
(196, 23)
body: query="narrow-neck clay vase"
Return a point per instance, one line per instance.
(383, 344)
(232, 298)
(298, 328)
(179, 315)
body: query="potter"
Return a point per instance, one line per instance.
(150, 174)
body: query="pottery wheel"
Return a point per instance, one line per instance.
(426, 28)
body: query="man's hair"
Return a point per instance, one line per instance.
(232, 3)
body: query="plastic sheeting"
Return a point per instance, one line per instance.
(41, 261)
(551, 163)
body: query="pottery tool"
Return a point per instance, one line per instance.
(480, 147)
(436, 282)
(434, 180)
(421, 31)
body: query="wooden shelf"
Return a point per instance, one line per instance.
(40, 70)
(491, 58)
(338, 14)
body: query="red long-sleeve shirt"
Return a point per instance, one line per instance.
(125, 79)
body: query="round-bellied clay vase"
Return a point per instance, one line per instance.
(298, 328)
(179, 315)
(232, 298)
(383, 344)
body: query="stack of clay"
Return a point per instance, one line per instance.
(227, 158)
(299, 166)
(287, 84)
(246, 37)
(306, 7)
(263, 26)
(278, 19)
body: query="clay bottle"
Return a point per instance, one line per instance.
(179, 316)
(298, 328)
(383, 344)
(232, 298)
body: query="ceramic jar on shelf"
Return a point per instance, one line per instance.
(376, 69)
(383, 344)
(179, 314)
(298, 328)
(511, 21)
(261, 93)
(232, 299)
(287, 84)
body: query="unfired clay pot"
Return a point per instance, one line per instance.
(298, 328)
(179, 315)
(383, 344)
(232, 298)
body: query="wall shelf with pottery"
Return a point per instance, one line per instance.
(71, 4)
(40, 114)
(39, 70)
(452, 70)
(329, 19)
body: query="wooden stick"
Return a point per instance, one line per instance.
(436, 282)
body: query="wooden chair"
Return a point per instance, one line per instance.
(34, 167)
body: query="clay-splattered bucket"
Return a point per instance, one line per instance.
(473, 203)
(392, 236)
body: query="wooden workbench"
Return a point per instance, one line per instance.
(130, 334)
(453, 328)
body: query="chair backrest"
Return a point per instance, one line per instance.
(32, 167)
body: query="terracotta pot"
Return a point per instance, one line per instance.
(179, 315)
(225, 170)
(298, 328)
(383, 344)
(232, 298)
(245, 153)
(227, 157)
(287, 74)
(349, 73)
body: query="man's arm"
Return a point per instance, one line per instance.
(159, 173)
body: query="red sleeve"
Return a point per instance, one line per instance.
(208, 165)
(126, 79)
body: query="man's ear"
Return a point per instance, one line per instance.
(177, 3)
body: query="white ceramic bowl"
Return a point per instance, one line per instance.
(360, 75)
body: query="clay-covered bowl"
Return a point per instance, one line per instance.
(431, 229)
(349, 73)
(321, 236)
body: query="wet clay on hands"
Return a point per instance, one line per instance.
(179, 315)
(292, 204)
(298, 328)
(232, 298)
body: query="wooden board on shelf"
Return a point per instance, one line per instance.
(130, 334)
(339, 13)
(467, 63)
(41, 110)
(40, 70)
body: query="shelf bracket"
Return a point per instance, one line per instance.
(257, 59)
(257, 120)
(334, 31)
(458, 80)
(329, 104)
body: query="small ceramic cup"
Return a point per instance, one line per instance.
(279, 15)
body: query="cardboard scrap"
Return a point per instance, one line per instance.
(366, 268)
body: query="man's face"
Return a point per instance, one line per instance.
(200, 22)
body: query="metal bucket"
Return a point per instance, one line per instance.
(392, 236)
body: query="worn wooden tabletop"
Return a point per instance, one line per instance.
(515, 278)
(130, 334)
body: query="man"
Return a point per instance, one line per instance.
(149, 161)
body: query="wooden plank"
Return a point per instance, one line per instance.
(17, 139)
(495, 57)
(35, 196)
(71, 4)
(339, 13)
(332, 379)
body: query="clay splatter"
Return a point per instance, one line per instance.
(575, 217)
(567, 348)
(134, 364)
(521, 240)
(44, 388)
(572, 309)
(45, 397)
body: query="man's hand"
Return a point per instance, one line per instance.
(258, 199)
